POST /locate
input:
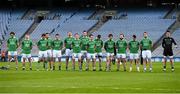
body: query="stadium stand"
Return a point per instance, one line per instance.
(154, 13)
(46, 26)
(155, 28)
(159, 51)
(63, 20)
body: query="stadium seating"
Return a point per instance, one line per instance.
(154, 13)
(155, 28)
(159, 50)
(46, 26)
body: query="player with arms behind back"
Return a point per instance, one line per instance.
(134, 52)
(146, 46)
(167, 44)
(43, 47)
(121, 45)
(76, 45)
(57, 46)
(68, 45)
(27, 45)
(91, 46)
(99, 46)
(109, 46)
(12, 45)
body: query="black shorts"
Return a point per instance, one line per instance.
(168, 52)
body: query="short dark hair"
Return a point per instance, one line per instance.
(43, 35)
(12, 33)
(47, 33)
(90, 35)
(76, 34)
(57, 35)
(99, 36)
(110, 35)
(168, 31)
(122, 34)
(134, 36)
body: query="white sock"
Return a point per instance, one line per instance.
(130, 68)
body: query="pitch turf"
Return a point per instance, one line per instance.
(12, 81)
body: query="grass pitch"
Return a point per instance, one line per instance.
(12, 81)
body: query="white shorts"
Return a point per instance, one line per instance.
(98, 54)
(12, 53)
(146, 54)
(171, 57)
(68, 52)
(76, 55)
(49, 53)
(90, 55)
(109, 54)
(26, 55)
(121, 55)
(134, 56)
(42, 54)
(57, 53)
(84, 53)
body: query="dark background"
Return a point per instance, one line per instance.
(85, 3)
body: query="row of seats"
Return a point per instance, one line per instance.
(155, 28)
(175, 35)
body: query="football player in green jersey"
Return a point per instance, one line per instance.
(99, 45)
(43, 47)
(146, 46)
(134, 53)
(109, 46)
(76, 46)
(84, 38)
(49, 51)
(121, 46)
(12, 45)
(26, 51)
(68, 45)
(91, 46)
(57, 46)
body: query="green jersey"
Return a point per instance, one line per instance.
(27, 46)
(121, 46)
(99, 45)
(84, 40)
(42, 44)
(134, 46)
(57, 44)
(50, 42)
(109, 46)
(146, 44)
(68, 42)
(91, 46)
(12, 44)
(76, 45)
